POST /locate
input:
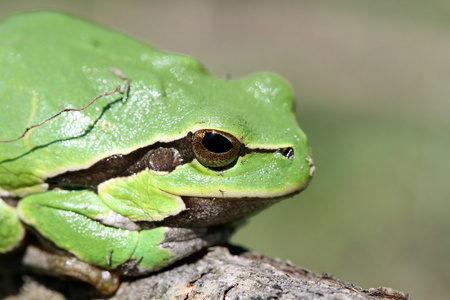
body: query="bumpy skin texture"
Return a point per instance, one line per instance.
(50, 60)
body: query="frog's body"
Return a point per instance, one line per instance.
(132, 182)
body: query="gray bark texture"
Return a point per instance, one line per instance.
(224, 272)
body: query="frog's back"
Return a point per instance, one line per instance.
(51, 61)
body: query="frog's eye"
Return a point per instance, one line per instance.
(214, 148)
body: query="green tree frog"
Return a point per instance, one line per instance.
(138, 179)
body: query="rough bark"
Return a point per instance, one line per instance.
(217, 273)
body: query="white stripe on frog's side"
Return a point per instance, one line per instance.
(117, 220)
(22, 192)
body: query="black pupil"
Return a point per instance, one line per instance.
(216, 143)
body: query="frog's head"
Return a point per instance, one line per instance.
(246, 150)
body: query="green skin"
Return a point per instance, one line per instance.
(50, 60)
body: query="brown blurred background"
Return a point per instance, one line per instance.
(372, 80)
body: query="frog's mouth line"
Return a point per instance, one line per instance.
(211, 211)
(163, 157)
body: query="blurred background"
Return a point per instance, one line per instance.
(372, 82)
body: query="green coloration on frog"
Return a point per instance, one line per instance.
(134, 182)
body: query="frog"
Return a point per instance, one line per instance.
(162, 160)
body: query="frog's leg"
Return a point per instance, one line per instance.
(70, 221)
(11, 229)
(73, 222)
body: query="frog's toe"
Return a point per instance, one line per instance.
(49, 263)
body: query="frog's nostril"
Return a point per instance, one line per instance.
(287, 152)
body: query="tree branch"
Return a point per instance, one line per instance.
(217, 273)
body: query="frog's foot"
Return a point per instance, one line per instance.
(11, 229)
(105, 282)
